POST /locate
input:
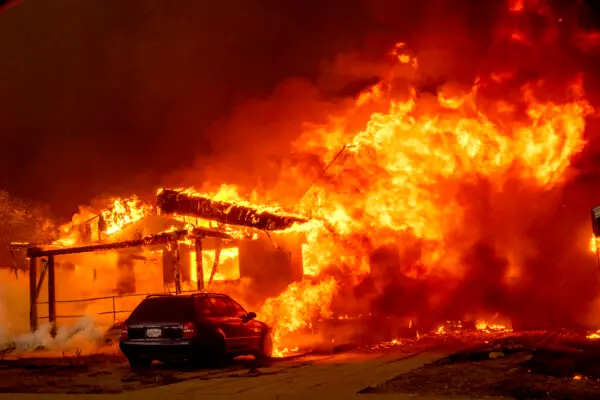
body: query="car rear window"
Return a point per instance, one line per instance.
(178, 309)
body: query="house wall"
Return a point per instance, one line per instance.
(270, 268)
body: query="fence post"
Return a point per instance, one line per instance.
(114, 310)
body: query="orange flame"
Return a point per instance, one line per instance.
(228, 267)
(123, 212)
(118, 214)
(391, 182)
(594, 243)
(484, 326)
(294, 309)
(398, 160)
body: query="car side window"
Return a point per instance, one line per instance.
(219, 307)
(202, 307)
(236, 309)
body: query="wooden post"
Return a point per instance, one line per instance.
(51, 295)
(199, 265)
(33, 318)
(174, 247)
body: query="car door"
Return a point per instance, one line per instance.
(250, 331)
(222, 317)
(206, 322)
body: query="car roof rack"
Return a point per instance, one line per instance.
(211, 294)
(159, 295)
(203, 294)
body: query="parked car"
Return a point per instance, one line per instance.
(196, 327)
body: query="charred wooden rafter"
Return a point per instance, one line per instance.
(162, 238)
(176, 202)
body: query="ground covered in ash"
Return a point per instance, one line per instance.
(73, 373)
(543, 365)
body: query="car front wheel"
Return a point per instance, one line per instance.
(265, 351)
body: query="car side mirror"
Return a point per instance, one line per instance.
(250, 315)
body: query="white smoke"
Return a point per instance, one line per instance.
(84, 335)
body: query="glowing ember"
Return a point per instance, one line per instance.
(594, 243)
(484, 326)
(594, 336)
(284, 352)
(391, 343)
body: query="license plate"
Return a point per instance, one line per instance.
(153, 333)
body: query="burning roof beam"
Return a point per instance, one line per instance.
(176, 202)
(153, 240)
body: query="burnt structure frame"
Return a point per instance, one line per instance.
(34, 252)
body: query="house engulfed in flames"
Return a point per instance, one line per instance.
(189, 241)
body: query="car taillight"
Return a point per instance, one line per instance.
(189, 330)
(124, 332)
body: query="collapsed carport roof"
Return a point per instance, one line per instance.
(192, 205)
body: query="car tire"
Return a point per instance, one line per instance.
(265, 351)
(136, 362)
(218, 353)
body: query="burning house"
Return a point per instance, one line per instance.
(190, 242)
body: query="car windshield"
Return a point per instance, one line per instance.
(179, 309)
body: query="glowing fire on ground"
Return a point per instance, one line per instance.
(296, 308)
(484, 326)
(480, 325)
(594, 336)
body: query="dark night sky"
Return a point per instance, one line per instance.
(107, 97)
